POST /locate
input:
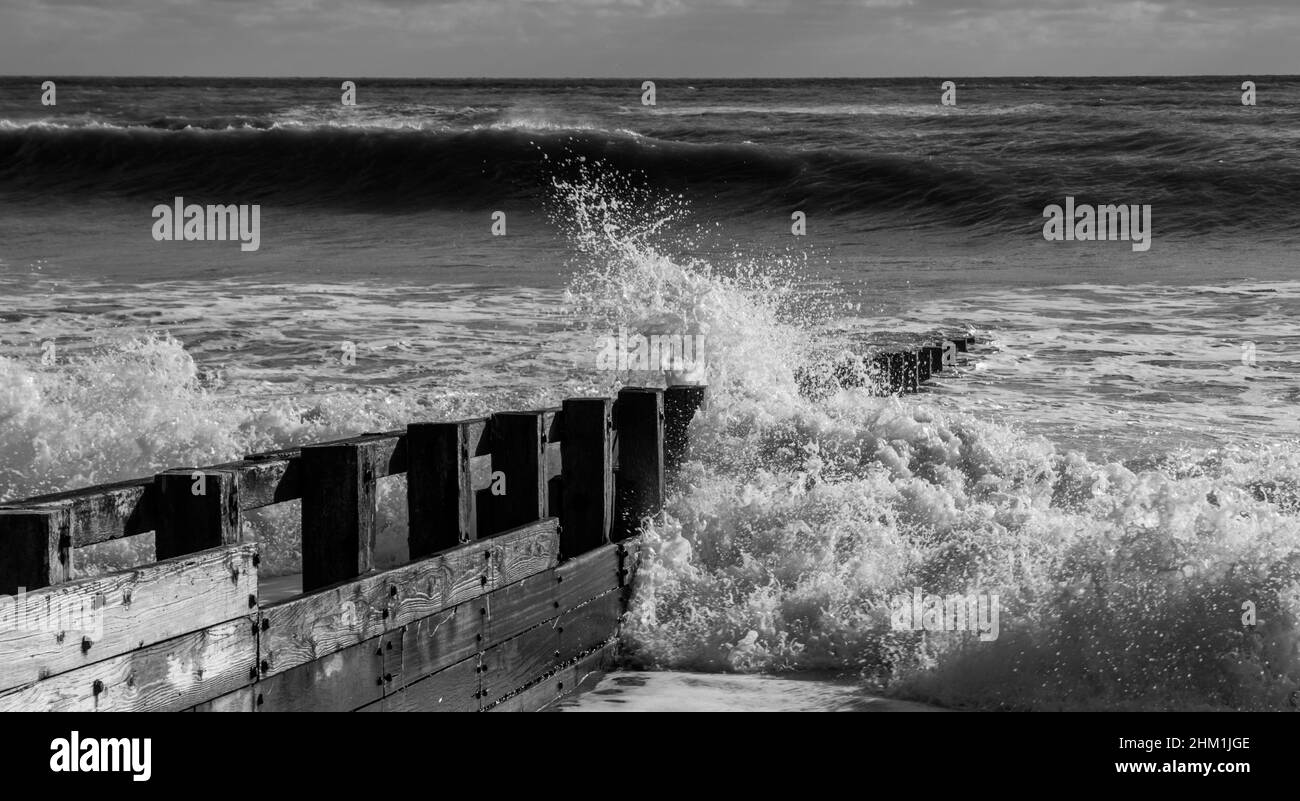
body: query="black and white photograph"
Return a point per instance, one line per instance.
(651, 356)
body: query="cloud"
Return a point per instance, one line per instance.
(633, 37)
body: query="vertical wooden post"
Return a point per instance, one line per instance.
(935, 355)
(338, 513)
(911, 367)
(35, 548)
(553, 461)
(586, 514)
(515, 441)
(196, 510)
(440, 491)
(639, 476)
(680, 404)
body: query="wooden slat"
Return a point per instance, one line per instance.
(125, 610)
(587, 576)
(438, 641)
(312, 626)
(544, 694)
(242, 700)
(639, 482)
(515, 440)
(168, 676)
(455, 689)
(588, 626)
(586, 514)
(105, 512)
(338, 513)
(197, 510)
(340, 682)
(37, 549)
(680, 405)
(440, 491)
(518, 662)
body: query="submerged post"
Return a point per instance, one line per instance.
(680, 404)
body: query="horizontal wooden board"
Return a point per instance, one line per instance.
(589, 626)
(339, 682)
(519, 661)
(546, 693)
(69, 626)
(455, 689)
(165, 677)
(242, 700)
(436, 642)
(105, 512)
(311, 626)
(587, 576)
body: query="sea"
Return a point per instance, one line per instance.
(1116, 461)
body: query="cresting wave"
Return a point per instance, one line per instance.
(1122, 585)
(478, 167)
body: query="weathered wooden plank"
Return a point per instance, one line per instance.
(37, 548)
(639, 481)
(436, 642)
(523, 552)
(338, 513)
(515, 440)
(242, 700)
(680, 404)
(557, 686)
(587, 576)
(168, 676)
(520, 606)
(105, 512)
(311, 626)
(340, 682)
(440, 490)
(197, 509)
(519, 661)
(589, 626)
(455, 689)
(553, 456)
(72, 625)
(587, 511)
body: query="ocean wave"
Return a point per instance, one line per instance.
(479, 166)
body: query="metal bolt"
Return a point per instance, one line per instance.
(266, 623)
(252, 601)
(85, 644)
(97, 687)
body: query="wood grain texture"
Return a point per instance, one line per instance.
(123, 611)
(455, 689)
(105, 512)
(340, 682)
(165, 677)
(313, 626)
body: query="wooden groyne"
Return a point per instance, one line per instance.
(885, 371)
(522, 540)
(522, 546)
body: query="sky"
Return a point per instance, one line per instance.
(648, 38)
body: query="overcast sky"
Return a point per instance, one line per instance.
(648, 38)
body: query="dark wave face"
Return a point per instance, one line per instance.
(885, 151)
